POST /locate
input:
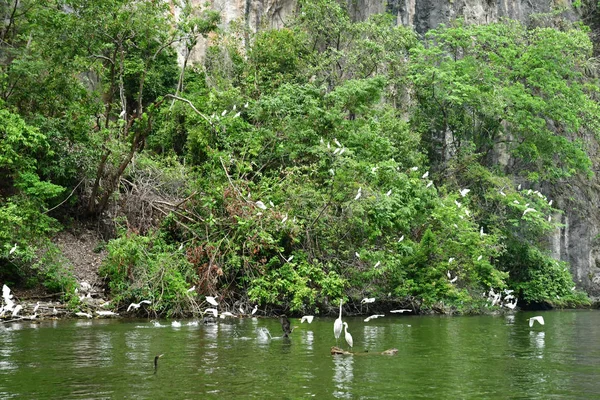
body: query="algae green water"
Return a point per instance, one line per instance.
(480, 357)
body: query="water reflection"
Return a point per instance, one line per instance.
(343, 367)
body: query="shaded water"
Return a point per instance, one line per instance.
(480, 357)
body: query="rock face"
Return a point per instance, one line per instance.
(577, 242)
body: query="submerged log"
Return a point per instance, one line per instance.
(336, 350)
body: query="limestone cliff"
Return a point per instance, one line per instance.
(577, 242)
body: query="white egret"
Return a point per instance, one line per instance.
(223, 113)
(255, 309)
(105, 313)
(337, 325)
(14, 248)
(516, 201)
(450, 260)
(37, 305)
(83, 314)
(429, 184)
(342, 151)
(214, 311)
(528, 210)
(464, 192)
(336, 151)
(538, 318)
(425, 175)
(373, 317)
(331, 172)
(454, 279)
(137, 305)
(458, 204)
(290, 259)
(367, 300)
(400, 311)
(519, 187)
(347, 335)
(401, 238)
(284, 219)
(191, 289)
(479, 258)
(377, 265)
(358, 194)
(175, 324)
(481, 232)
(246, 105)
(242, 312)
(337, 143)
(307, 318)
(180, 247)
(261, 205)
(550, 203)
(502, 193)
(389, 192)
(549, 218)
(16, 310)
(414, 169)
(356, 254)
(227, 314)
(573, 288)
(212, 300)
(511, 305)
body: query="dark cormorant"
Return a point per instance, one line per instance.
(285, 325)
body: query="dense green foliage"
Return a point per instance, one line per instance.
(322, 161)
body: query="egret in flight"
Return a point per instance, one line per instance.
(137, 305)
(539, 319)
(212, 300)
(307, 318)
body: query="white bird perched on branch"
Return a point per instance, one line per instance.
(307, 318)
(425, 175)
(400, 311)
(538, 318)
(212, 300)
(528, 210)
(13, 249)
(347, 335)
(137, 305)
(255, 309)
(16, 310)
(464, 192)
(358, 194)
(191, 289)
(377, 264)
(367, 300)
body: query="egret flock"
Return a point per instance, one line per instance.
(504, 298)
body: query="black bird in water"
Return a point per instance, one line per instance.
(156, 362)
(285, 325)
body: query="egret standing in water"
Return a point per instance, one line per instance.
(347, 335)
(285, 325)
(337, 325)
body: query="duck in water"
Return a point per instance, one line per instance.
(285, 325)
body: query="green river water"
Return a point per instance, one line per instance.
(475, 357)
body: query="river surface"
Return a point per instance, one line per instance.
(474, 357)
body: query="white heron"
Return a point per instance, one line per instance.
(214, 311)
(337, 325)
(367, 300)
(261, 205)
(14, 248)
(191, 289)
(538, 318)
(83, 314)
(175, 324)
(307, 318)
(479, 258)
(425, 175)
(373, 317)
(223, 113)
(37, 305)
(16, 310)
(403, 310)
(528, 210)
(429, 184)
(255, 309)
(347, 335)
(401, 238)
(106, 313)
(389, 192)
(358, 194)
(337, 143)
(137, 305)
(212, 300)
(464, 192)
(414, 169)
(550, 203)
(458, 204)
(377, 264)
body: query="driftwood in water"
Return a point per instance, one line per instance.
(336, 350)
